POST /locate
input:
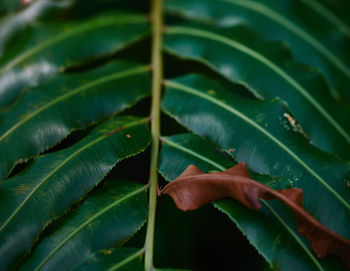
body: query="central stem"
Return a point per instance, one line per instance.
(155, 127)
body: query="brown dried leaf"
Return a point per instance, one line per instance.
(194, 188)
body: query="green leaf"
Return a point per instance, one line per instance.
(121, 259)
(256, 132)
(266, 69)
(40, 119)
(55, 211)
(334, 12)
(51, 47)
(185, 149)
(170, 269)
(54, 181)
(12, 25)
(287, 21)
(104, 220)
(7, 6)
(272, 230)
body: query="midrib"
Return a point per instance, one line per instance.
(222, 168)
(329, 15)
(74, 92)
(293, 234)
(211, 99)
(87, 222)
(65, 35)
(126, 260)
(274, 16)
(170, 143)
(59, 167)
(268, 63)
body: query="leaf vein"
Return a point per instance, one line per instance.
(280, 220)
(251, 122)
(87, 222)
(56, 169)
(94, 83)
(268, 63)
(274, 16)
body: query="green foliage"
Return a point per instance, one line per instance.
(116, 259)
(54, 181)
(261, 82)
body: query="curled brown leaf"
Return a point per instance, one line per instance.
(194, 188)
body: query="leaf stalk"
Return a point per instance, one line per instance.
(157, 75)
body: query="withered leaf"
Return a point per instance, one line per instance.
(194, 188)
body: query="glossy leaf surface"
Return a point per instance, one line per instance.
(194, 188)
(40, 119)
(321, 42)
(119, 259)
(266, 69)
(105, 219)
(54, 181)
(257, 133)
(12, 25)
(50, 47)
(271, 231)
(72, 65)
